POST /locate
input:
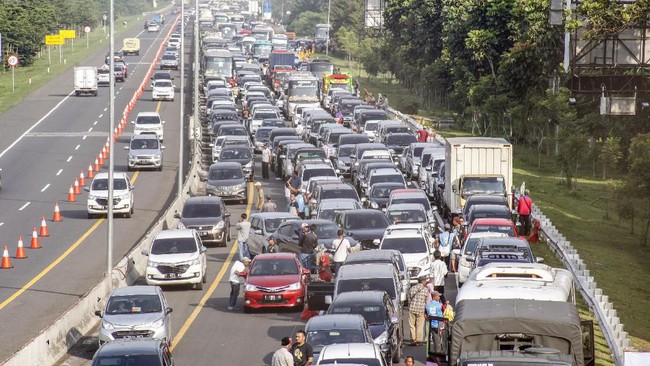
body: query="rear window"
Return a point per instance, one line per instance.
(308, 173)
(174, 246)
(339, 193)
(367, 284)
(405, 245)
(201, 210)
(508, 230)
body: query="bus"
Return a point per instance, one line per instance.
(217, 63)
(261, 50)
(262, 34)
(228, 30)
(322, 33)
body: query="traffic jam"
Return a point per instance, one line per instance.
(378, 216)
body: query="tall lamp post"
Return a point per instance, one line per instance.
(327, 42)
(182, 117)
(111, 143)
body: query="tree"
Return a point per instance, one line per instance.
(305, 23)
(639, 178)
(611, 153)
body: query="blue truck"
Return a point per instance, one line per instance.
(158, 18)
(281, 57)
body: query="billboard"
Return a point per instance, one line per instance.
(267, 9)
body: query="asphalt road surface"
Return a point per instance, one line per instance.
(45, 142)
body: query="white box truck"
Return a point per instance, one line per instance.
(476, 165)
(85, 80)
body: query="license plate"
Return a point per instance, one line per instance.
(272, 297)
(172, 275)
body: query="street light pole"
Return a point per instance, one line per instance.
(196, 66)
(182, 114)
(327, 42)
(111, 144)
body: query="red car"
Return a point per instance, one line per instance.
(275, 280)
(494, 225)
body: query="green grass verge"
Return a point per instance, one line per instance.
(38, 71)
(613, 254)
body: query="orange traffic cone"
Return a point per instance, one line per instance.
(44, 231)
(57, 213)
(100, 159)
(71, 197)
(35, 244)
(82, 179)
(97, 167)
(77, 189)
(20, 250)
(91, 174)
(104, 152)
(6, 261)
(108, 146)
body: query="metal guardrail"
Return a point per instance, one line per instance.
(603, 309)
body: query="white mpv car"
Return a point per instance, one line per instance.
(98, 195)
(176, 257)
(162, 90)
(149, 123)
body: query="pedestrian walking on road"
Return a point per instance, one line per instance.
(243, 230)
(269, 205)
(417, 303)
(446, 241)
(303, 353)
(283, 356)
(341, 247)
(434, 309)
(438, 274)
(238, 273)
(525, 209)
(308, 243)
(266, 161)
(260, 196)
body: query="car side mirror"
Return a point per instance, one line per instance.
(168, 310)
(144, 252)
(305, 271)
(376, 241)
(539, 260)
(258, 232)
(132, 122)
(328, 299)
(177, 216)
(470, 259)
(87, 189)
(99, 313)
(126, 147)
(203, 249)
(132, 188)
(441, 186)
(162, 147)
(227, 214)
(203, 179)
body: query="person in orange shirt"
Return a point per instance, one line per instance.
(524, 209)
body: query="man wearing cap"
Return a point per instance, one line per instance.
(260, 196)
(270, 245)
(283, 357)
(434, 309)
(237, 274)
(266, 160)
(417, 303)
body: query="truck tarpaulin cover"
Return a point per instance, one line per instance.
(553, 325)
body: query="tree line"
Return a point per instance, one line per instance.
(25, 23)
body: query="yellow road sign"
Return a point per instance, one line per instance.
(54, 39)
(68, 33)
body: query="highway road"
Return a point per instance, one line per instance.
(45, 142)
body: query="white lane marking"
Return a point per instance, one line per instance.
(90, 129)
(77, 148)
(83, 138)
(2, 223)
(105, 109)
(95, 123)
(69, 158)
(35, 124)
(118, 92)
(59, 172)
(101, 115)
(24, 206)
(46, 187)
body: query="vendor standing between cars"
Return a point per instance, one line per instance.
(237, 274)
(525, 209)
(303, 353)
(308, 243)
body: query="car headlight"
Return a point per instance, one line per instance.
(158, 323)
(131, 157)
(152, 263)
(249, 165)
(93, 198)
(157, 156)
(382, 338)
(250, 287)
(108, 326)
(219, 226)
(374, 204)
(181, 226)
(423, 262)
(194, 262)
(294, 286)
(210, 186)
(241, 186)
(340, 164)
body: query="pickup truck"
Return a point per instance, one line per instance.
(131, 46)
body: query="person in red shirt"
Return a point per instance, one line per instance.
(524, 209)
(422, 135)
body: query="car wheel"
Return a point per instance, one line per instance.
(248, 310)
(128, 169)
(198, 286)
(91, 216)
(160, 168)
(127, 215)
(205, 278)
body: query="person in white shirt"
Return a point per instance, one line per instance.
(237, 274)
(266, 160)
(282, 357)
(438, 274)
(341, 247)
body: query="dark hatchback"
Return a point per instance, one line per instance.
(208, 216)
(287, 236)
(379, 194)
(364, 225)
(226, 180)
(141, 352)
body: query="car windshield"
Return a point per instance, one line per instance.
(133, 304)
(169, 57)
(335, 136)
(417, 152)
(235, 154)
(163, 84)
(274, 267)
(339, 193)
(370, 126)
(330, 213)
(144, 144)
(351, 361)
(323, 172)
(402, 140)
(385, 178)
(224, 174)
(262, 135)
(326, 231)
(233, 131)
(383, 191)
(173, 246)
(271, 225)
(405, 245)
(505, 229)
(201, 210)
(374, 220)
(102, 184)
(422, 200)
(406, 216)
(130, 359)
(305, 155)
(484, 185)
(320, 338)
(500, 258)
(162, 75)
(147, 120)
(372, 313)
(264, 115)
(470, 246)
(345, 151)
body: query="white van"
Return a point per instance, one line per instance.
(98, 195)
(148, 123)
(527, 281)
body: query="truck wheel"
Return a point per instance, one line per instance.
(76, 93)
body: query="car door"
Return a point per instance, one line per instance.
(256, 237)
(202, 251)
(287, 238)
(394, 331)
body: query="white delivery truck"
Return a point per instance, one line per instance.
(85, 80)
(476, 165)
